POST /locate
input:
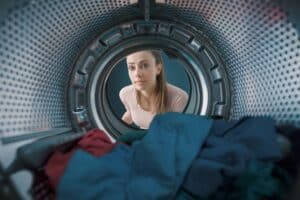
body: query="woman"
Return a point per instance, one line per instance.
(149, 94)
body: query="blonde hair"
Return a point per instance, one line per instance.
(161, 86)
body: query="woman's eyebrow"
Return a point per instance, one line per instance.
(143, 60)
(130, 63)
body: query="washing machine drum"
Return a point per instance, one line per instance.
(62, 63)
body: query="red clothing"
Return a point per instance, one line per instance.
(96, 142)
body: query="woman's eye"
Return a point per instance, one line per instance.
(145, 65)
(131, 68)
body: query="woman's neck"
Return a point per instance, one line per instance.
(147, 94)
(150, 93)
(148, 100)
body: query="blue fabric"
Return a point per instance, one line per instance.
(152, 168)
(258, 182)
(89, 177)
(228, 151)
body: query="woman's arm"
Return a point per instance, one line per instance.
(179, 102)
(127, 117)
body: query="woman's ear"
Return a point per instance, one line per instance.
(159, 67)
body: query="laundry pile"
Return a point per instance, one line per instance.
(181, 157)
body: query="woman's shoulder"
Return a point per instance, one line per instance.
(175, 91)
(177, 98)
(126, 91)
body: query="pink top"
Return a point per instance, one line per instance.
(177, 100)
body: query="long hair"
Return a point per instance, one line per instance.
(161, 85)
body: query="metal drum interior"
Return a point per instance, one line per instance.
(42, 40)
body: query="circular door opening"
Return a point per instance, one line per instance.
(174, 74)
(190, 61)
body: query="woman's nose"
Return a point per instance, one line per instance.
(138, 72)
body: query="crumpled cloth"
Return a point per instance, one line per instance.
(152, 168)
(95, 142)
(227, 152)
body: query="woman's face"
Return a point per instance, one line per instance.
(143, 70)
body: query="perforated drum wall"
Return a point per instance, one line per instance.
(261, 48)
(40, 41)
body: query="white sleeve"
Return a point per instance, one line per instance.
(179, 102)
(126, 117)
